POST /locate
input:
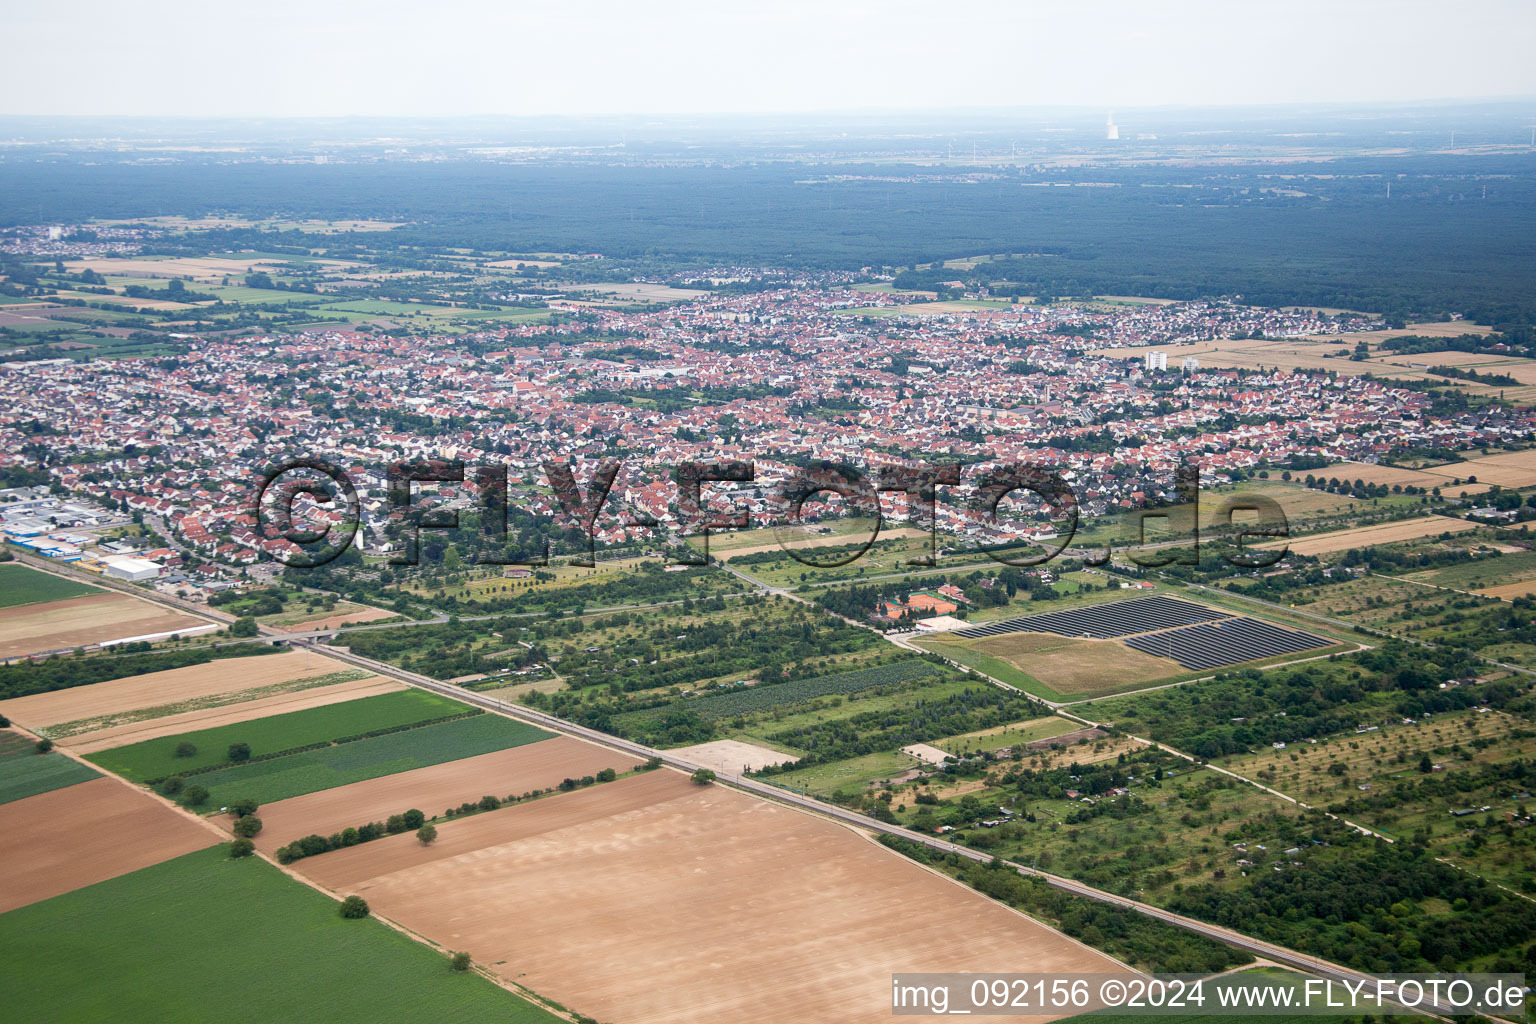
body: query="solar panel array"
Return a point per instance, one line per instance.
(1225, 643)
(1102, 621)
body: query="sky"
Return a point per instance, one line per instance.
(284, 58)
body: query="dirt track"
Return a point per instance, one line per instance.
(655, 900)
(56, 842)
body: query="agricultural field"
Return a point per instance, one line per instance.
(728, 545)
(634, 291)
(717, 642)
(80, 621)
(893, 552)
(21, 585)
(284, 953)
(1030, 732)
(154, 759)
(79, 709)
(78, 835)
(1450, 478)
(563, 586)
(1367, 536)
(1057, 667)
(1322, 352)
(516, 770)
(24, 772)
(1506, 469)
(839, 912)
(731, 757)
(840, 780)
(344, 613)
(352, 685)
(755, 699)
(884, 719)
(359, 760)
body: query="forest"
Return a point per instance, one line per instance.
(1440, 243)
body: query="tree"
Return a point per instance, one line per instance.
(245, 626)
(414, 818)
(239, 752)
(44, 745)
(460, 962)
(243, 807)
(247, 827)
(241, 848)
(354, 907)
(194, 796)
(1425, 764)
(704, 776)
(426, 834)
(172, 785)
(186, 749)
(5, 723)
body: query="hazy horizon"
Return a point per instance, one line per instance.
(599, 58)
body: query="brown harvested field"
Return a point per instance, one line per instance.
(245, 711)
(729, 756)
(153, 689)
(200, 268)
(1507, 469)
(1072, 665)
(1365, 536)
(1435, 476)
(63, 840)
(1440, 329)
(1509, 591)
(799, 544)
(654, 900)
(519, 770)
(1319, 352)
(639, 291)
(78, 621)
(338, 619)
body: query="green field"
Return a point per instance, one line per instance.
(851, 774)
(155, 759)
(314, 770)
(24, 772)
(202, 938)
(1007, 736)
(20, 585)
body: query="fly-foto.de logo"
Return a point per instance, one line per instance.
(332, 500)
